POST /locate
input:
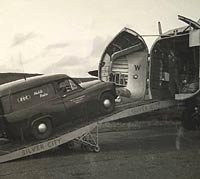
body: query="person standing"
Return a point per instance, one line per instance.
(174, 85)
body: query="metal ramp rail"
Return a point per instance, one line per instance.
(83, 135)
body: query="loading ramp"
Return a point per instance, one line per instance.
(83, 134)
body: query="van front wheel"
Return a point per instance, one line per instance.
(107, 103)
(42, 128)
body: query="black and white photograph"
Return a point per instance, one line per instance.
(99, 89)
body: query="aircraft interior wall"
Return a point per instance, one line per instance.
(174, 67)
(124, 62)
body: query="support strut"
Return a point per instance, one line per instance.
(90, 140)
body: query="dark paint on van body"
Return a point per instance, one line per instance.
(57, 98)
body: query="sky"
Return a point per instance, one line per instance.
(69, 36)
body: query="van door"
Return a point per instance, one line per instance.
(73, 99)
(48, 102)
(125, 62)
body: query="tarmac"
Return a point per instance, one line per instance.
(166, 151)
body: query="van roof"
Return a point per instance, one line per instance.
(22, 84)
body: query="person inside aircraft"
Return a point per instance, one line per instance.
(196, 117)
(190, 87)
(111, 77)
(189, 72)
(174, 82)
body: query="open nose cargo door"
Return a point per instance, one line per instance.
(125, 62)
(175, 59)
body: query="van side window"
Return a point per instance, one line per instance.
(72, 84)
(65, 86)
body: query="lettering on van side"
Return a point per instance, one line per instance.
(43, 95)
(78, 100)
(23, 98)
(40, 93)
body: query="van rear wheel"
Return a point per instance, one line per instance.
(42, 128)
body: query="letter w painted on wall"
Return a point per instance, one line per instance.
(137, 67)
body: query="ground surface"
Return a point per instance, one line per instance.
(156, 152)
